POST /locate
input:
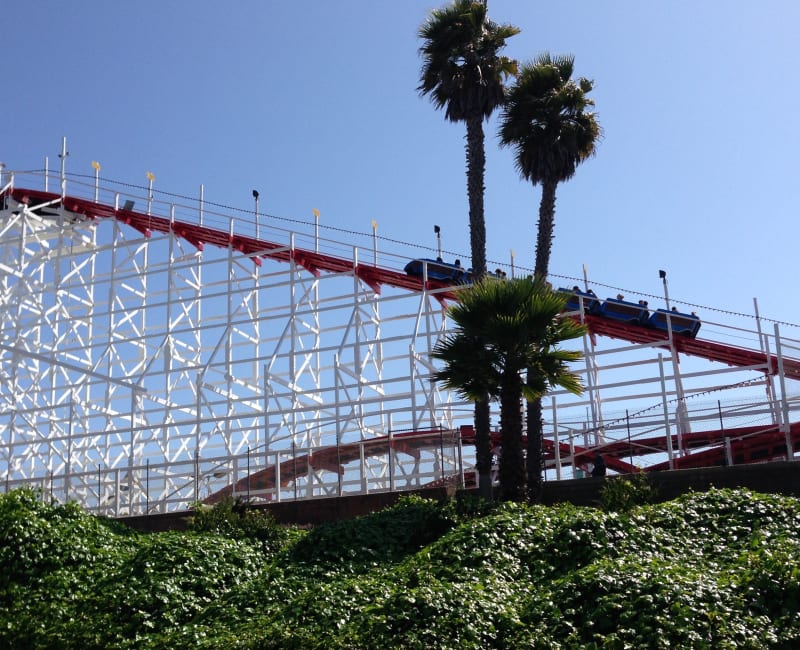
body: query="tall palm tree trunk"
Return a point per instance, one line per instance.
(476, 165)
(544, 237)
(512, 465)
(534, 460)
(483, 448)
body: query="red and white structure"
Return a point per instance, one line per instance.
(158, 350)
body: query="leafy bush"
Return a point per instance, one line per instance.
(621, 493)
(385, 536)
(68, 579)
(37, 538)
(236, 520)
(713, 570)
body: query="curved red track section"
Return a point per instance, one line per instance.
(333, 459)
(748, 445)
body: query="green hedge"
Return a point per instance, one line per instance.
(713, 570)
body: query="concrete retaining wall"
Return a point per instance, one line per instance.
(776, 477)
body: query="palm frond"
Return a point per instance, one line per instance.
(547, 120)
(502, 329)
(462, 69)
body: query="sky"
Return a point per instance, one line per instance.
(314, 103)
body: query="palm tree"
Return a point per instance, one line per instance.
(463, 73)
(502, 330)
(548, 122)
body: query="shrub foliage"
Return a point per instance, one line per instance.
(713, 570)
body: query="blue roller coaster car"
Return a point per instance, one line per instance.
(626, 311)
(438, 270)
(444, 272)
(591, 304)
(685, 324)
(614, 308)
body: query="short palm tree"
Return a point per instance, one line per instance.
(463, 72)
(548, 122)
(503, 330)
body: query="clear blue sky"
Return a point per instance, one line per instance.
(314, 104)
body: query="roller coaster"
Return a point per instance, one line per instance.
(152, 358)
